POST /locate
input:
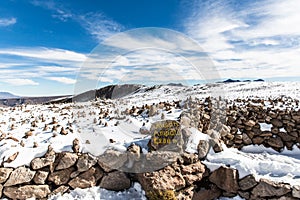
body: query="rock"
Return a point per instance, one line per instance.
(157, 160)
(67, 160)
(247, 182)
(286, 137)
(258, 140)
(1, 189)
(133, 154)
(225, 130)
(4, 174)
(84, 180)
(193, 172)
(75, 146)
(12, 157)
(267, 188)
(245, 195)
(40, 177)
(216, 145)
(61, 189)
(112, 159)
(19, 176)
(152, 110)
(27, 191)
(246, 139)
(38, 163)
(60, 177)
(185, 121)
(226, 179)
(186, 193)
(250, 123)
(189, 158)
(296, 191)
(275, 142)
(116, 181)
(203, 149)
(208, 194)
(85, 162)
(277, 123)
(164, 179)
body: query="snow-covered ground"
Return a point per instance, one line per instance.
(81, 120)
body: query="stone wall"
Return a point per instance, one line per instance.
(185, 178)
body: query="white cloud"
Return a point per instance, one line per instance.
(45, 53)
(256, 39)
(19, 81)
(7, 21)
(64, 80)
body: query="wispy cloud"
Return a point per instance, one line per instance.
(96, 24)
(253, 39)
(64, 80)
(19, 81)
(23, 64)
(7, 21)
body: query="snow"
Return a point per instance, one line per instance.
(135, 193)
(265, 126)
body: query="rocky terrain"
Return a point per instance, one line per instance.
(160, 142)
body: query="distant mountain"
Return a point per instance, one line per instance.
(231, 81)
(7, 95)
(259, 80)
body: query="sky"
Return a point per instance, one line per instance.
(49, 47)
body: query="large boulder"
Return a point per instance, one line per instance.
(226, 179)
(84, 180)
(247, 183)
(85, 162)
(27, 191)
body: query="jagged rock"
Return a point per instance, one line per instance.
(84, 180)
(116, 181)
(226, 179)
(247, 182)
(207, 194)
(38, 163)
(286, 137)
(67, 160)
(19, 176)
(60, 177)
(27, 191)
(112, 159)
(296, 191)
(40, 177)
(193, 172)
(245, 195)
(216, 145)
(4, 174)
(267, 188)
(203, 149)
(61, 189)
(164, 179)
(85, 162)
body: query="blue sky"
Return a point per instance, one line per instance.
(44, 44)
